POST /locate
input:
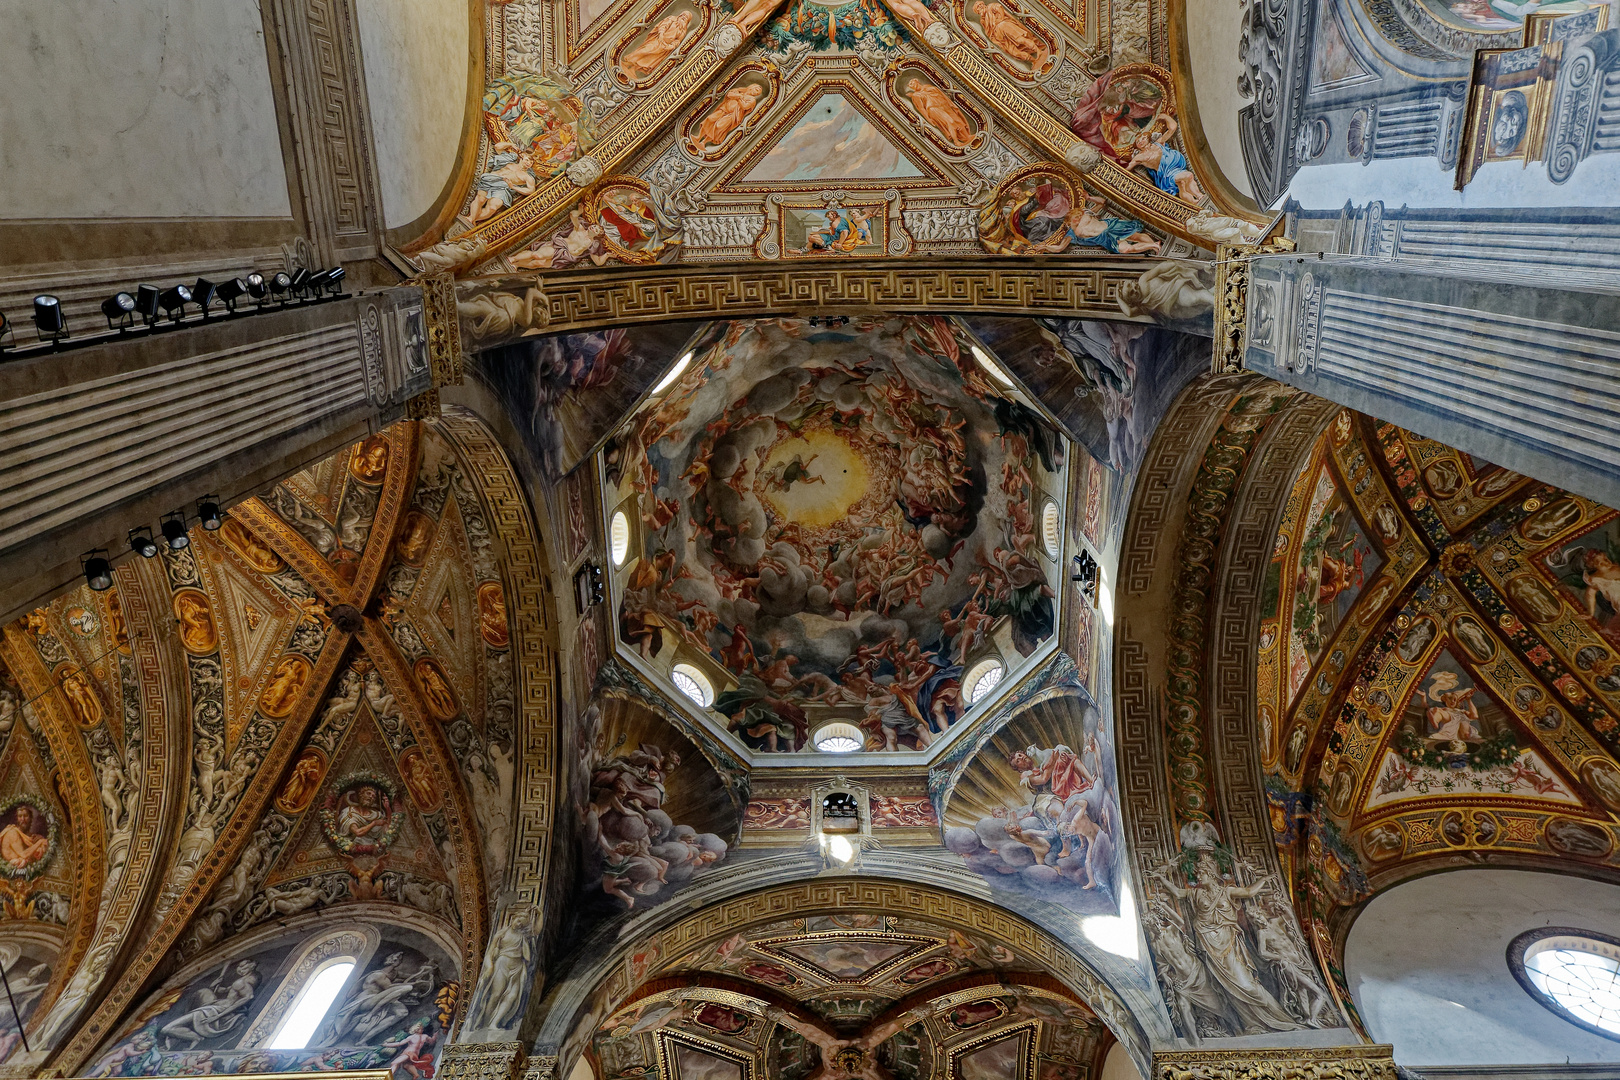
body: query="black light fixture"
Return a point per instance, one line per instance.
(48, 318)
(146, 303)
(5, 328)
(202, 294)
(279, 284)
(208, 512)
(300, 281)
(334, 280)
(1083, 572)
(141, 542)
(256, 287)
(229, 292)
(317, 283)
(120, 311)
(97, 570)
(174, 530)
(173, 301)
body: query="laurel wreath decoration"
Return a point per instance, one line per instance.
(374, 844)
(37, 867)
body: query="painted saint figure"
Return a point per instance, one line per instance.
(1086, 226)
(362, 813)
(510, 178)
(20, 846)
(1172, 173)
(663, 40)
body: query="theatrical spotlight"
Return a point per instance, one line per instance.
(5, 328)
(48, 318)
(202, 294)
(329, 280)
(141, 542)
(120, 311)
(146, 303)
(300, 281)
(257, 288)
(173, 301)
(279, 284)
(174, 530)
(97, 570)
(229, 292)
(208, 512)
(334, 280)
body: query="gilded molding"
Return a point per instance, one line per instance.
(439, 324)
(482, 1061)
(1306, 1063)
(497, 310)
(1231, 307)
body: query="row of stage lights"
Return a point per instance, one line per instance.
(171, 532)
(151, 304)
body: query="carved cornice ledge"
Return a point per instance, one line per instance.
(1314, 1063)
(439, 324)
(482, 1061)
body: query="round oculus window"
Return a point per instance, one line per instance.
(619, 537)
(982, 678)
(1052, 529)
(693, 683)
(1575, 973)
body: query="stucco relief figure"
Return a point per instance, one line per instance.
(492, 615)
(196, 617)
(1194, 1000)
(1218, 916)
(255, 552)
(1173, 291)
(361, 813)
(301, 783)
(1170, 169)
(24, 840)
(285, 686)
(436, 692)
(81, 699)
(419, 781)
(383, 999)
(915, 12)
(219, 1009)
(415, 538)
(1010, 35)
(370, 460)
(662, 40)
(937, 109)
(726, 117)
(503, 981)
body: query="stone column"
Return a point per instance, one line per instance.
(97, 440)
(1289, 1063)
(1523, 375)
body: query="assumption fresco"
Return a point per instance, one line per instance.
(840, 521)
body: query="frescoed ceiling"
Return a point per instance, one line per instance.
(1438, 671)
(337, 653)
(635, 131)
(836, 524)
(862, 995)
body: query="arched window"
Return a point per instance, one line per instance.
(838, 737)
(1052, 529)
(312, 1003)
(692, 682)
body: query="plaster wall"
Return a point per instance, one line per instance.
(1118, 1065)
(416, 59)
(1427, 964)
(1214, 28)
(137, 109)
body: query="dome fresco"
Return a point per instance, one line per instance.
(838, 522)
